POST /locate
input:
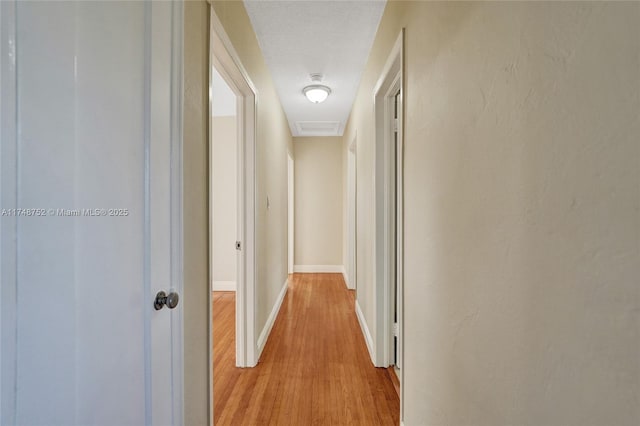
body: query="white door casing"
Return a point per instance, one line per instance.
(399, 218)
(91, 191)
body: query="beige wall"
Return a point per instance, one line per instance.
(273, 143)
(225, 209)
(319, 183)
(196, 222)
(522, 210)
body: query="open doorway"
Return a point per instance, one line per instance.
(388, 95)
(223, 220)
(223, 193)
(224, 67)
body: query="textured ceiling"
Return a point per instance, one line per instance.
(301, 37)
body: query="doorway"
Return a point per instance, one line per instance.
(223, 193)
(223, 200)
(389, 184)
(225, 63)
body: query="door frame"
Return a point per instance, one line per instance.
(389, 204)
(176, 202)
(226, 61)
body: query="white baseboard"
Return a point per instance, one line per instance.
(264, 335)
(345, 277)
(224, 286)
(319, 268)
(365, 331)
(347, 281)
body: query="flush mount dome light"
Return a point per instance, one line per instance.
(316, 93)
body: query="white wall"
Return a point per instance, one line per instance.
(319, 183)
(225, 211)
(522, 205)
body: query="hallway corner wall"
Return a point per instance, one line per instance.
(272, 145)
(522, 201)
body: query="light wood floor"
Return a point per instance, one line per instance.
(315, 368)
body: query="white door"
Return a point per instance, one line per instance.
(90, 168)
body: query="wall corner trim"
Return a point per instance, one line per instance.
(338, 269)
(264, 335)
(365, 332)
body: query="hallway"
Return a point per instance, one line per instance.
(315, 368)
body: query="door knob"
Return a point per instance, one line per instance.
(162, 299)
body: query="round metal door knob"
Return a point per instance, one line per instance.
(171, 300)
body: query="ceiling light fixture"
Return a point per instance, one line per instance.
(316, 93)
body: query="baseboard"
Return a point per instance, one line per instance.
(337, 269)
(347, 280)
(264, 335)
(365, 331)
(224, 286)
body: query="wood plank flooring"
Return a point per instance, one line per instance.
(315, 368)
